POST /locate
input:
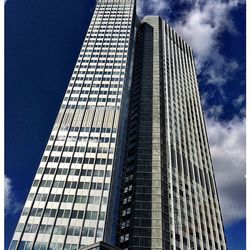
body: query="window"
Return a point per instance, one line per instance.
(102, 216)
(13, 245)
(25, 211)
(35, 184)
(73, 230)
(31, 196)
(54, 197)
(19, 227)
(104, 200)
(59, 230)
(124, 238)
(77, 214)
(63, 213)
(81, 199)
(55, 246)
(70, 247)
(99, 232)
(68, 198)
(91, 215)
(88, 231)
(30, 228)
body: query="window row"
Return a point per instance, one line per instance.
(66, 198)
(102, 61)
(82, 138)
(104, 36)
(80, 149)
(96, 106)
(106, 45)
(94, 92)
(102, 67)
(88, 129)
(59, 230)
(95, 73)
(60, 213)
(113, 79)
(92, 99)
(79, 160)
(96, 85)
(76, 172)
(72, 184)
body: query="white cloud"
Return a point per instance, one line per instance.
(195, 28)
(204, 22)
(243, 111)
(220, 70)
(214, 111)
(11, 205)
(151, 7)
(201, 28)
(239, 100)
(227, 145)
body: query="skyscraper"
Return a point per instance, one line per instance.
(169, 198)
(127, 161)
(74, 198)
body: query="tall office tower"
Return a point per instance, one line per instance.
(128, 160)
(169, 196)
(74, 198)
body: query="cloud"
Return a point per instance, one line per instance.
(214, 111)
(200, 24)
(219, 69)
(227, 145)
(11, 205)
(152, 7)
(239, 101)
(201, 28)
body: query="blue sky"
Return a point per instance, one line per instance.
(42, 42)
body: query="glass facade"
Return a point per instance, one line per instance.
(169, 197)
(72, 200)
(127, 162)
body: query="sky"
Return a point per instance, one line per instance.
(42, 42)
